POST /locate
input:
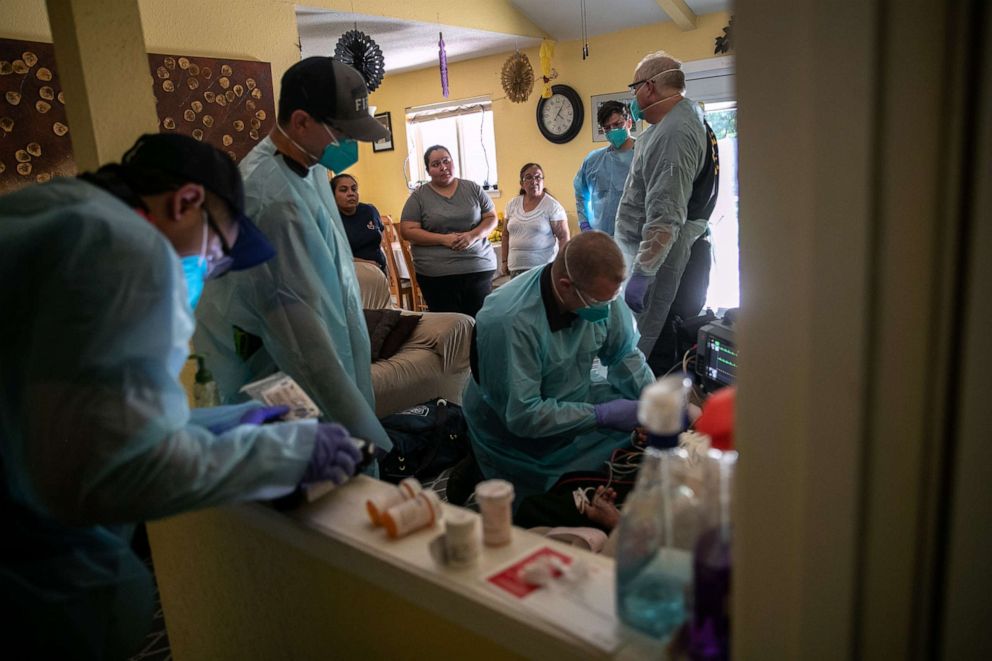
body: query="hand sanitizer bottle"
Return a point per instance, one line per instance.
(205, 393)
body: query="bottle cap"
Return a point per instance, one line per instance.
(494, 490)
(203, 375)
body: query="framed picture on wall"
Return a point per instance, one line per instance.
(386, 144)
(599, 99)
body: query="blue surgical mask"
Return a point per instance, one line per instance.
(195, 272)
(617, 137)
(337, 156)
(637, 112)
(340, 154)
(598, 311)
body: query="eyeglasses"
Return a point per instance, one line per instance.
(534, 177)
(220, 235)
(636, 84)
(219, 267)
(592, 302)
(443, 161)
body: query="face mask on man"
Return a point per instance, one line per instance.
(338, 156)
(637, 112)
(617, 137)
(195, 271)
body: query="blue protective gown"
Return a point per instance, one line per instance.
(303, 305)
(599, 185)
(530, 416)
(95, 430)
(652, 227)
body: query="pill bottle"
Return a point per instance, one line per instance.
(395, 495)
(461, 539)
(421, 511)
(495, 499)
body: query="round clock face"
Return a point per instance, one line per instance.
(560, 117)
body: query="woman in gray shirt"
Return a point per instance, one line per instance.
(447, 222)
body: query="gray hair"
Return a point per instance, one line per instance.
(660, 62)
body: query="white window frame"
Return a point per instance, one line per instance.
(414, 169)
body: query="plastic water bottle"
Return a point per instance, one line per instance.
(654, 552)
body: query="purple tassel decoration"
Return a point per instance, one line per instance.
(443, 60)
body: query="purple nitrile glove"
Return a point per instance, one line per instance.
(584, 225)
(637, 287)
(263, 414)
(334, 456)
(620, 414)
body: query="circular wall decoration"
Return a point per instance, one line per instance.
(517, 77)
(358, 50)
(560, 117)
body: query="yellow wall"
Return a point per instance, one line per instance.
(518, 140)
(266, 30)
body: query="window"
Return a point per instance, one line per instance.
(725, 289)
(465, 128)
(711, 82)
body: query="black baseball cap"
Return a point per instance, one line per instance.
(185, 159)
(331, 92)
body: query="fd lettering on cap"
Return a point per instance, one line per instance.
(362, 103)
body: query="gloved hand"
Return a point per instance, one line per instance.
(263, 414)
(620, 414)
(637, 287)
(334, 455)
(584, 225)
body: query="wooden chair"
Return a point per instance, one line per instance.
(410, 298)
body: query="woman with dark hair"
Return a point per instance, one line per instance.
(362, 222)
(536, 225)
(447, 222)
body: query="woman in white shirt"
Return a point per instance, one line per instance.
(536, 225)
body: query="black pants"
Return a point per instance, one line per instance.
(464, 292)
(689, 300)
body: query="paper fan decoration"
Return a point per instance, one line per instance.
(518, 77)
(358, 50)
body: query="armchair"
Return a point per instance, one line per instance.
(433, 362)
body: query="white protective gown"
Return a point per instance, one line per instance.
(652, 229)
(300, 312)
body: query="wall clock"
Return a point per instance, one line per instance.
(560, 117)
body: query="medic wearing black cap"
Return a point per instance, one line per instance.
(99, 276)
(301, 313)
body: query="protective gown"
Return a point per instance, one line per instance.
(531, 416)
(652, 229)
(599, 186)
(301, 311)
(95, 431)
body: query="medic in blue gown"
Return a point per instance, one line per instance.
(599, 182)
(533, 409)
(301, 312)
(100, 274)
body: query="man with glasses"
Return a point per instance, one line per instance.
(668, 197)
(599, 182)
(533, 410)
(301, 313)
(101, 273)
